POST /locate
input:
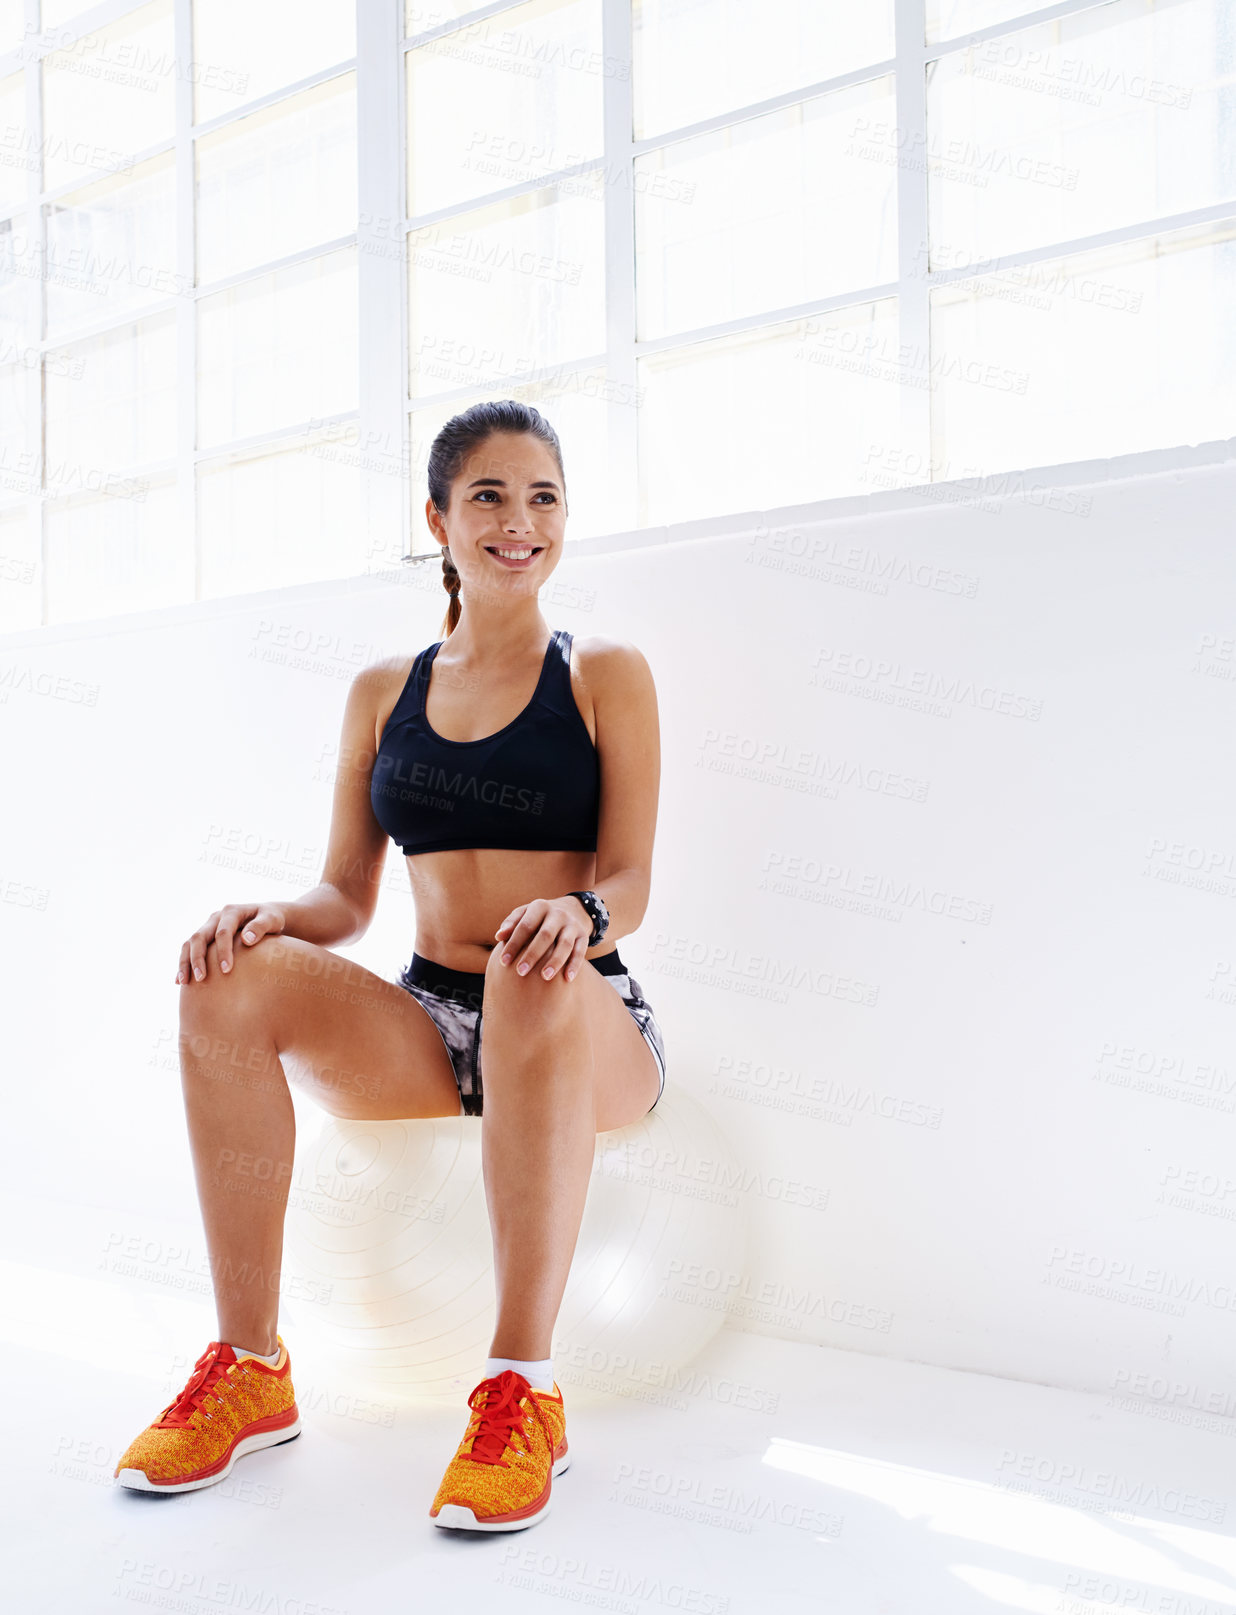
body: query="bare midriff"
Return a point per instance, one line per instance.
(462, 896)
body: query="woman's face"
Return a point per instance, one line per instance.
(507, 515)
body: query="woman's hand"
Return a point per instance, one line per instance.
(549, 931)
(258, 919)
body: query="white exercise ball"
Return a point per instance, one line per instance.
(389, 1259)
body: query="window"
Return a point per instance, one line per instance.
(252, 258)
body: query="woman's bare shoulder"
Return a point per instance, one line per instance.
(375, 689)
(377, 674)
(607, 662)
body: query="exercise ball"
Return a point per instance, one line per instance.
(389, 1259)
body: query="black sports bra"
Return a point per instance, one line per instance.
(535, 784)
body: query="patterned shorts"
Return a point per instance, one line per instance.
(453, 999)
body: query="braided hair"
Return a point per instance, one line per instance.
(457, 439)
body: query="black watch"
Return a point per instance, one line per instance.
(597, 913)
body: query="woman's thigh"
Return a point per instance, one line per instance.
(521, 1009)
(357, 1044)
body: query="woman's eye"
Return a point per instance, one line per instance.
(546, 494)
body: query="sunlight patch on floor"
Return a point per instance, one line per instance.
(79, 1318)
(1115, 1543)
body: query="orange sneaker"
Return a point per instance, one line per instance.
(515, 1443)
(228, 1408)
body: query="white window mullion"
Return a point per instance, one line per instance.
(914, 304)
(619, 176)
(36, 302)
(186, 279)
(383, 327)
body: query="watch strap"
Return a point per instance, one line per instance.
(597, 912)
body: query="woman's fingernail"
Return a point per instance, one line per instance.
(225, 964)
(248, 936)
(506, 958)
(570, 975)
(523, 968)
(198, 972)
(548, 972)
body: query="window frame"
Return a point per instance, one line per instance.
(383, 417)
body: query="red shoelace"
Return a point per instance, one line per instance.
(207, 1372)
(497, 1401)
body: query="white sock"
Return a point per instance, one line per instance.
(243, 1351)
(539, 1375)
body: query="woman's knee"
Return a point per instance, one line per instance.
(226, 1042)
(529, 1003)
(220, 995)
(237, 993)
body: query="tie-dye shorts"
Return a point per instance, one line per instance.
(453, 999)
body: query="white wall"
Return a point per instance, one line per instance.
(953, 966)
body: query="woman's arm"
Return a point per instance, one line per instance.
(552, 933)
(341, 907)
(624, 699)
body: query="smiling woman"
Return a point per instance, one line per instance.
(518, 771)
(491, 487)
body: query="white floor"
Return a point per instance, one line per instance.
(846, 1483)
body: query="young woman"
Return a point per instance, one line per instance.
(518, 771)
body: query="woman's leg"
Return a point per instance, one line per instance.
(360, 1045)
(560, 1061)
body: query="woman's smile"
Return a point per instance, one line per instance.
(518, 557)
